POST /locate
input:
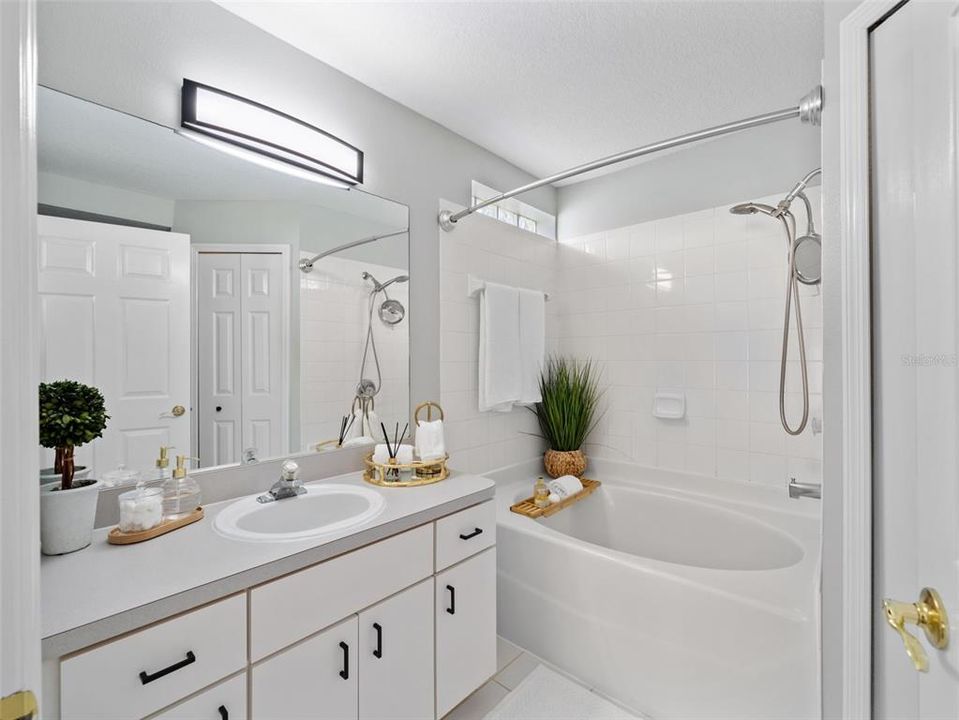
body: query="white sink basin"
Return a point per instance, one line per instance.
(324, 509)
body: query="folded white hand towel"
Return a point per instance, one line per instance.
(381, 454)
(404, 454)
(532, 333)
(358, 441)
(554, 498)
(500, 379)
(565, 486)
(430, 440)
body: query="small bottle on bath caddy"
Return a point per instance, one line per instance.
(540, 494)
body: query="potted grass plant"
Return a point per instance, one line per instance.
(567, 413)
(71, 414)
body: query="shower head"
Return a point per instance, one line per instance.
(751, 208)
(378, 286)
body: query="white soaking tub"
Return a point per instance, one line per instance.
(679, 596)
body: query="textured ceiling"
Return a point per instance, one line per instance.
(548, 85)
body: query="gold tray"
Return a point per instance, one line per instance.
(528, 508)
(424, 473)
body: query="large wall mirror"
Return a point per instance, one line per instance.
(170, 279)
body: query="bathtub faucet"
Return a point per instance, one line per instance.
(798, 489)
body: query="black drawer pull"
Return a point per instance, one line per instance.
(452, 608)
(470, 536)
(345, 672)
(378, 653)
(224, 714)
(146, 678)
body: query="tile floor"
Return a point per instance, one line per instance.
(513, 664)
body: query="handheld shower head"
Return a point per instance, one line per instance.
(378, 286)
(751, 208)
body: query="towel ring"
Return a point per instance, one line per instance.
(428, 406)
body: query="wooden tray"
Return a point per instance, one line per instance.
(528, 508)
(118, 537)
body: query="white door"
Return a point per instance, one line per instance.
(915, 434)
(396, 656)
(115, 313)
(316, 679)
(218, 373)
(241, 356)
(19, 503)
(465, 629)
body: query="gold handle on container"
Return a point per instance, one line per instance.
(929, 614)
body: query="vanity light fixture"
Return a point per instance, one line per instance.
(268, 137)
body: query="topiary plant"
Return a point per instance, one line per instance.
(71, 414)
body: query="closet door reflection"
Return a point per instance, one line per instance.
(241, 398)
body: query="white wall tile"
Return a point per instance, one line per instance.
(692, 302)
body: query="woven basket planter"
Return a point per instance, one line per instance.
(559, 463)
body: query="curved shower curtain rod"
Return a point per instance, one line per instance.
(809, 111)
(306, 264)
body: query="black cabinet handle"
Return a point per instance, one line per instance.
(378, 653)
(224, 714)
(470, 536)
(146, 678)
(452, 608)
(345, 672)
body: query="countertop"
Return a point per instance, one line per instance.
(106, 590)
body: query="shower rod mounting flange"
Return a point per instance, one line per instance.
(809, 112)
(446, 221)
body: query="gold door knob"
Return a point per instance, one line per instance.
(929, 614)
(178, 410)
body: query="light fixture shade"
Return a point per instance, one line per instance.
(260, 129)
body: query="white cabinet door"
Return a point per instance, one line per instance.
(115, 313)
(465, 629)
(226, 701)
(316, 679)
(396, 656)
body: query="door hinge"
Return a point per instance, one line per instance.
(18, 706)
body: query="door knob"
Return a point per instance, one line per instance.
(929, 614)
(178, 410)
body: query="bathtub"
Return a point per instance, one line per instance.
(676, 595)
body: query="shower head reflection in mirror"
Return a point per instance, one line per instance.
(804, 261)
(199, 214)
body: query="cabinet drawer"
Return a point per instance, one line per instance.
(152, 668)
(465, 533)
(289, 609)
(226, 701)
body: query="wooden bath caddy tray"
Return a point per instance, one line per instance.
(528, 508)
(118, 537)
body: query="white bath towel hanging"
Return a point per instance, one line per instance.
(500, 381)
(512, 346)
(532, 333)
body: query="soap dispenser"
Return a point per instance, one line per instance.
(181, 494)
(163, 464)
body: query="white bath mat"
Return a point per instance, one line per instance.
(547, 695)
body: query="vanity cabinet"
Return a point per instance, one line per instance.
(402, 628)
(315, 679)
(465, 629)
(225, 701)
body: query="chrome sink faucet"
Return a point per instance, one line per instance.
(288, 486)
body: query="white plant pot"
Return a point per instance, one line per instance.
(49, 475)
(67, 517)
